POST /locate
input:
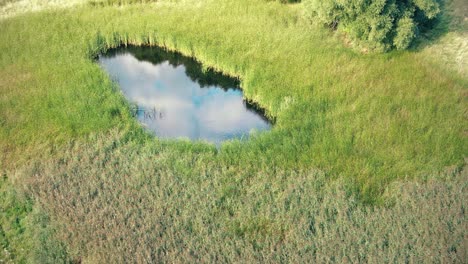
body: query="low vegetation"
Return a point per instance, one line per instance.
(25, 233)
(346, 164)
(353, 122)
(378, 25)
(118, 201)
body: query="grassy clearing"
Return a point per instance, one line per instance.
(364, 120)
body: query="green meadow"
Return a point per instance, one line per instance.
(365, 161)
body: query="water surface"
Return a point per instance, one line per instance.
(174, 97)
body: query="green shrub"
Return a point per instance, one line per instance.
(405, 33)
(378, 25)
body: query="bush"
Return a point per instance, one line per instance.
(405, 33)
(378, 25)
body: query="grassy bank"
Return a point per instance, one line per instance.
(369, 118)
(363, 120)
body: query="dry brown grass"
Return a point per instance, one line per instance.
(115, 202)
(10, 8)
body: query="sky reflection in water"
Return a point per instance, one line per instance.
(175, 98)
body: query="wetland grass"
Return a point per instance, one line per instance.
(349, 128)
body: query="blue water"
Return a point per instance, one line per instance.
(174, 97)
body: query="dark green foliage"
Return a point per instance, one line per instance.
(378, 25)
(405, 33)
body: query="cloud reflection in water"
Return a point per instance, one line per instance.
(173, 105)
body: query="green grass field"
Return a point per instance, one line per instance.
(367, 152)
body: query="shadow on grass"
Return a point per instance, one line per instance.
(450, 19)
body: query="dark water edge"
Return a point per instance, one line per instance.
(174, 96)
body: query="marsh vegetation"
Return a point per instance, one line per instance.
(367, 152)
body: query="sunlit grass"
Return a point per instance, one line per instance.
(369, 118)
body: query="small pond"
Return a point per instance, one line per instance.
(174, 97)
